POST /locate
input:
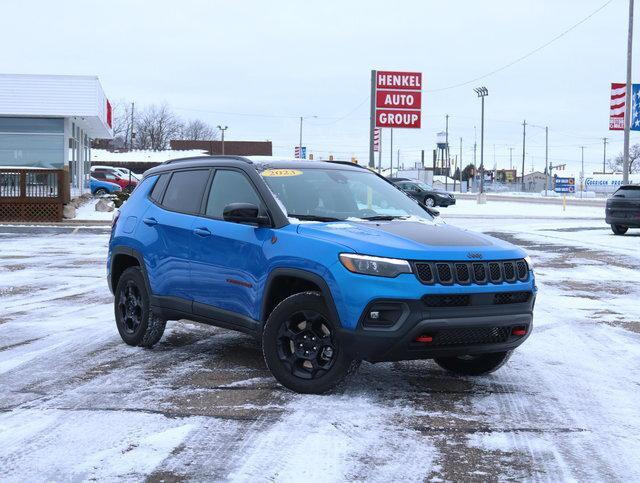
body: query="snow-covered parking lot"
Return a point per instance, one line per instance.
(78, 404)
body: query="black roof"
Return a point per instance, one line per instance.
(258, 163)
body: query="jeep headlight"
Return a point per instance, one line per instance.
(529, 264)
(368, 265)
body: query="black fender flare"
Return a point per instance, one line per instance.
(304, 275)
(131, 252)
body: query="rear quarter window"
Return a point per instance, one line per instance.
(158, 189)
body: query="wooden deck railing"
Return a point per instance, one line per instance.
(33, 194)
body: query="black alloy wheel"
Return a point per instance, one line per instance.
(305, 344)
(130, 307)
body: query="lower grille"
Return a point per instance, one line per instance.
(511, 298)
(470, 336)
(447, 300)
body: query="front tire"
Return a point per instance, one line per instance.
(100, 192)
(619, 229)
(136, 322)
(474, 365)
(301, 346)
(430, 201)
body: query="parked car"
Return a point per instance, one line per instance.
(424, 193)
(623, 209)
(292, 253)
(120, 171)
(100, 187)
(113, 177)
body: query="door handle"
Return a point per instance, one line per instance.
(203, 232)
(150, 221)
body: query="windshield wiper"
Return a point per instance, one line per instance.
(314, 217)
(382, 217)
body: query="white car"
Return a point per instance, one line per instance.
(120, 171)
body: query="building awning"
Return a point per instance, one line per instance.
(79, 98)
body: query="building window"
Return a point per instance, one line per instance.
(34, 142)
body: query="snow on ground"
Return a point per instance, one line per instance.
(87, 212)
(104, 156)
(78, 404)
(497, 209)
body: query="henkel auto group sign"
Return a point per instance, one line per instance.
(398, 99)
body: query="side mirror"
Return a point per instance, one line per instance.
(433, 212)
(244, 213)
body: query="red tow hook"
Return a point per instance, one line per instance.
(519, 331)
(424, 338)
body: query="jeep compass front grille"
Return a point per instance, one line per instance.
(465, 273)
(471, 336)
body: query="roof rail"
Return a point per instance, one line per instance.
(204, 156)
(346, 163)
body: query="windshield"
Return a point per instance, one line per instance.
(330, 194)
(423, 186)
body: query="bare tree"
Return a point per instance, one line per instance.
(615, 165)
(198, 130)
(155, 126)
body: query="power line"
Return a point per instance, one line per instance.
(528, 54)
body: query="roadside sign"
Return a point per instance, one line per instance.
(565, 185)
(397, 118)
(300, 153)
(396, 102)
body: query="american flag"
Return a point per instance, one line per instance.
(376, 139)
(618, 104)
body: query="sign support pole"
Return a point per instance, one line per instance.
(372, 120)
(627, 113)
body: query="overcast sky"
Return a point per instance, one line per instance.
(258, 65)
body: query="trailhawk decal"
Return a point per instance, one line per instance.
(281, 173)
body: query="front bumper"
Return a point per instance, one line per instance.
(442, 201)
(453, 331)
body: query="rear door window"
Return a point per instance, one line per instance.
(185, 189)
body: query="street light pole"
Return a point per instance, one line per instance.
(627, 107)
(524, 137)
(482, 92)
(546, 160)
(222, 130)
(300, 140)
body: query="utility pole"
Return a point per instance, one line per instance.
(460, 167)
(546, 159)
(582, 172)
(627, 108)
(131, 137)
(391, 154)
(446, 140)
(524, 137)
(482, 92)
(380, 152)
(222, 130)
(604, 157)
(398, 162)
(475, 145)
(510, 158)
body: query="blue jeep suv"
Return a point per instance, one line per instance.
(328, 264)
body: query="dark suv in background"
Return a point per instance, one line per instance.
(623, 209)
(424, 193)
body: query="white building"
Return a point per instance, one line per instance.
(48, 121)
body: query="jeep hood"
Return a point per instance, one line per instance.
(410, 239)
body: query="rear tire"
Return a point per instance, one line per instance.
(301, 346)
(137, 324)
(619, 229)
(474, 365)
